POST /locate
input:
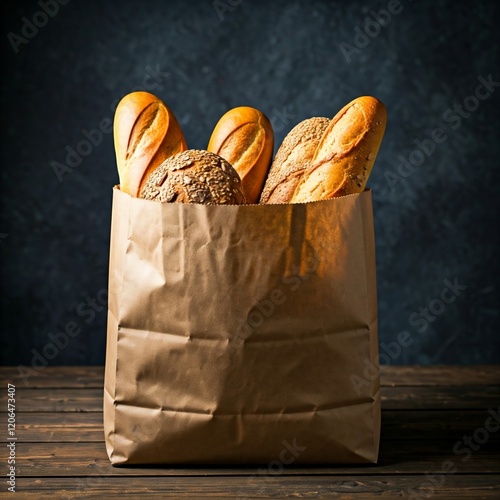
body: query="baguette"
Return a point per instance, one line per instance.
(345, 155)
(292, 159)
(244, 137)
(146, 133)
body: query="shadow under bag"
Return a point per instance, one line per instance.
(242, 334)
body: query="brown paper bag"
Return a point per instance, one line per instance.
(236, 334)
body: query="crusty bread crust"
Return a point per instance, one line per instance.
(194, 176)
(244, 137)
(146, 132)
(292, 159)
(345, 155)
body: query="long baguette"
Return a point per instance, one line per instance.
(146, 133)
(345, 155)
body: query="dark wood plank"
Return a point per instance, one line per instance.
(53, 376)
(93, 376)
(440, 398)
(403, 457)
(69, 427)
(319, 487)
(426, 411)
(55, 400)
(439, 376)
(393, 398)
(398, 424)
(432, 424)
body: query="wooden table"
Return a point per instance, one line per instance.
(428, 415)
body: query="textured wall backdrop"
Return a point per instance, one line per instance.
(435, 64)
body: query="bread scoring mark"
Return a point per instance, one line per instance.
(145, 120)
(293, 159)
(342, 136)
(346, 153)
(243, 142)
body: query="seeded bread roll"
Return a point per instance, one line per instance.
(244, 137)
(195, 176)
(146, 133)
(292, 159)
(345, 155)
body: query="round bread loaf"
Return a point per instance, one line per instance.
(292, 159)
(194, 176)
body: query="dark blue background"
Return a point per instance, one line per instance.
(436, 223)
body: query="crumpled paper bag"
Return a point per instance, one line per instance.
(236, 333)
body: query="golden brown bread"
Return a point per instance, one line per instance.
(146, 132)
(194, 176)
(292, 159)
(244, 137)
(345, 155)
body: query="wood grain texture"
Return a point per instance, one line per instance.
(72, 427)
(396, 457)
(393, 398)
(54, 376)
(390, 375)
(60, 451)
(318, 487)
